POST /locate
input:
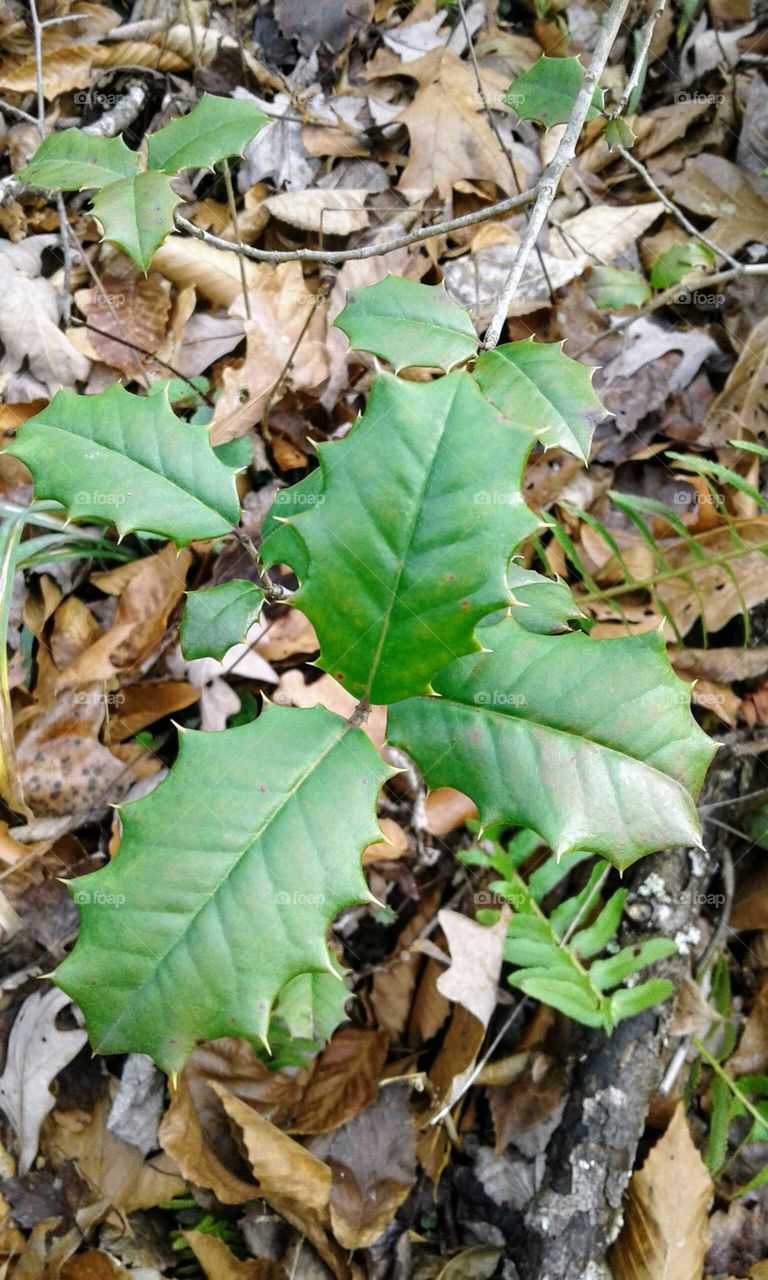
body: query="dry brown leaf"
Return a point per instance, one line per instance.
(142, 704)
(280, 305)
(285, 637)
(29, 330)
(132, 308)
(740, 411)
(450, 136)
(63, 767)
(63, 69)
(183, 1139)
(533, 1097)
(373, 1159)
(446, 809)
(751, 1056)
(344, 1082)
(389, 849)
(219, 1262)
(665, 1236)
(325, 210)
(476, 954)
(214, 273)
(140, 621)
(115, 1169)
(282, 1167)
(721, 590)
(750, 904)
(714, 187)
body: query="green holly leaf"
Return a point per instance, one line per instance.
(281, 541)
(227, 879)
(674, 264)
(619, 134)
(215, 618)
(411, 546)
(544, 391)
(136, 214)
(312, 1006)
(128, 460)
(408, 324)
(213, 130)
(590, 743)
(547, 91)
(542, 604)
(77, 161)
(615, 287)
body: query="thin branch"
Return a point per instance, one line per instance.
(496, 132)
(273, 591)
(646, 36)
(674, 209)
(672, 295)
(552, 176)
(510, 205)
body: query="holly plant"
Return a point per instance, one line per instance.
(214, 913)
(134, 200)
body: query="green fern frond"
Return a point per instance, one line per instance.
(555, 954)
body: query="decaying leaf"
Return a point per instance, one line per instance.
(37, 1051)
(664, 1236)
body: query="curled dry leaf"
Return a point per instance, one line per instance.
(37, 1051)
(219, 1262)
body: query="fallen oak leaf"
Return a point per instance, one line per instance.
(476, 956)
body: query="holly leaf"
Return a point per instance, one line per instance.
(409, 324)
(674, 264)
(547, 91)
(590, 743)
(619, 134)
(136, 214)
(543, 605)
(222, 894)
(215, 618)
(213, 130)
(410, 548)
(281, 541)
(615, 287)
(77, 161)
(129, 460)
(550, 394)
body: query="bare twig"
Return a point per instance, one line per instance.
(510, 205)
(675, 210)
(646, 36)
(273, 591)
(232, 205)
(552, 176)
